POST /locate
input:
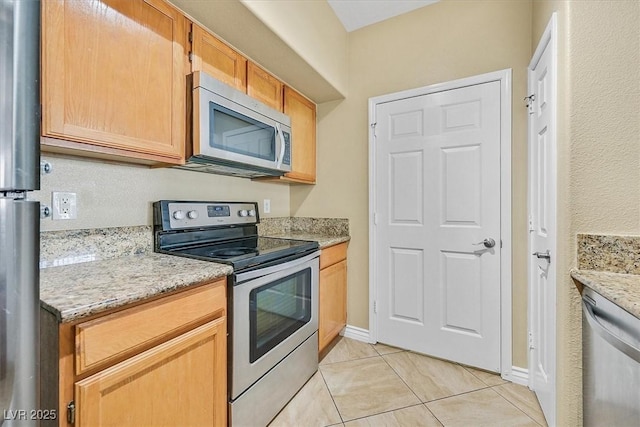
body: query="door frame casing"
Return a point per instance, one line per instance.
(505, 79)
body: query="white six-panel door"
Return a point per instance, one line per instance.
(437, 160)
(542, 224)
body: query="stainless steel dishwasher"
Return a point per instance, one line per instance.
(610, 362)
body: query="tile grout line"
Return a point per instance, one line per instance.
(505, 382)
(514, 405)
(381, 355)
(486, 386)
(412, 391)
(348, 360)
(459, 394)
(467, 368)
(331, 395)
(378, 354)
(392, 410)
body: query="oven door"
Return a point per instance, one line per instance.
(272, 315)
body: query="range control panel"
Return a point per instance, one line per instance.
(177, 215)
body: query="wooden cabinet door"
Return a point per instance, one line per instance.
(217, 59)
(303, 129)
(264, 87)
(113, 76)
(332, 303)
(179, 383)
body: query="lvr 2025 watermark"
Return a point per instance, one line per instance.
(31, 414)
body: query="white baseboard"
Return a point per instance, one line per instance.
(356, 333)
(518, 376)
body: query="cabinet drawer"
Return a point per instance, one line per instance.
(333, 254)
(103, 341)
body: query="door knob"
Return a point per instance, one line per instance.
(488, 242)
(543, 255)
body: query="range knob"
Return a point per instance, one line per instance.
(179, 215)
(243, 212)
(192, 214)
(252, 212)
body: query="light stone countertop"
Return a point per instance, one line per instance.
(323, 240)
(84, 272)
(619, 288)
(74, 291)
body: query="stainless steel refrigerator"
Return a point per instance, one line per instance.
(19, 217)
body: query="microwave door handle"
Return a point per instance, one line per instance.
(282, 147)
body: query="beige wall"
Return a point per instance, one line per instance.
(444, 41)
(598, 153)
(116, 195)
(301, 42)
(312, 30)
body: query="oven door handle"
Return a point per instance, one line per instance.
(243, 277)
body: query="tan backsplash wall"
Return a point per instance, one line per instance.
(118, 195)
(445, 41)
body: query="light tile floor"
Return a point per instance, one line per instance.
(359, 384)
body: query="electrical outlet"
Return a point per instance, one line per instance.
(266, 206)
(64, 205)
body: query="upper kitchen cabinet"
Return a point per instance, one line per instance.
(303, 133)
(303, 130)
(214, 57)
(113, 79)
(264, 87)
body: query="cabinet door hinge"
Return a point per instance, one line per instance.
(190, 56)
(375, 308)
(190, 37)
(71, 412)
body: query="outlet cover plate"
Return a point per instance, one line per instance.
(64, 205)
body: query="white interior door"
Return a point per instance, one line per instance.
(437, 216)
(542, 225)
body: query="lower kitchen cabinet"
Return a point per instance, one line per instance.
(173, 384)
(333, 294)
(160, 363)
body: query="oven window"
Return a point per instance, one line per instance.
(234, 132)
(277, 310)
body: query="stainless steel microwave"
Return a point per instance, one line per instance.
(234, 134)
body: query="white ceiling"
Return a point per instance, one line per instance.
(356, 14)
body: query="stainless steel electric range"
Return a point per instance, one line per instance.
(272, 300)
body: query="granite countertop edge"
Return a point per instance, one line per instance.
(324, 241)
(619, 288)
(96, 286)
